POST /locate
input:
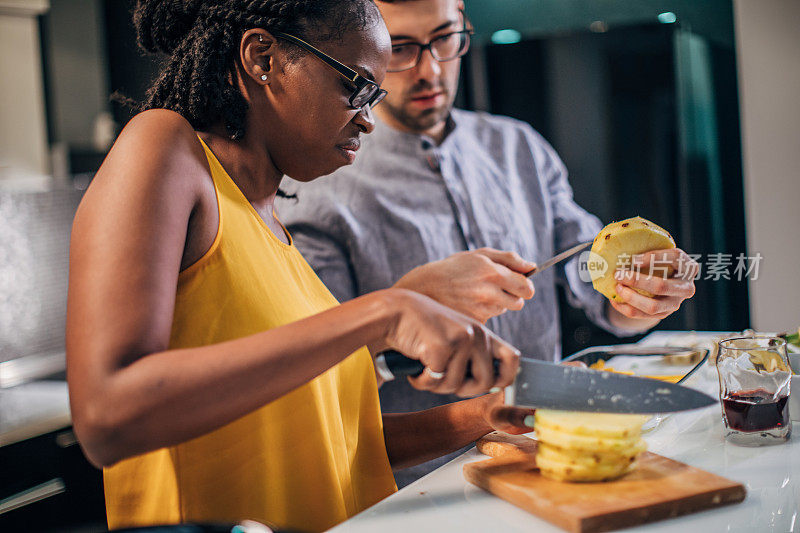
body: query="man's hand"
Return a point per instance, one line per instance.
(670, 281)
(481, 283)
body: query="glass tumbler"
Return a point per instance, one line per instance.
(754, 382)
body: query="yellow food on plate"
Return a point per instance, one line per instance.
(618, 242)
(688, 358)
(601, 365)
(584, 447)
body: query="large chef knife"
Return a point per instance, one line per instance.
(548, 385)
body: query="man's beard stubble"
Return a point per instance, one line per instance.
(424, 120)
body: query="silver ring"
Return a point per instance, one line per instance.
(434, 374)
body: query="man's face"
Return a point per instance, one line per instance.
(420, 98)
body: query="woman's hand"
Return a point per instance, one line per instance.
(446, 343)
(481, 283)
(670, 279)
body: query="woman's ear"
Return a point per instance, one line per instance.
(257, 55)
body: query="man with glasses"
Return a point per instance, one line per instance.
(447, 202)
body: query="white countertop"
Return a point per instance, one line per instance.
(444, 501)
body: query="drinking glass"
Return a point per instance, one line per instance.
(754, 383)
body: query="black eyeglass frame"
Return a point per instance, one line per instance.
(354, 77)
(467, 31)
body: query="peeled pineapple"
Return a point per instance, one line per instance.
(587, 446)
(618, 242)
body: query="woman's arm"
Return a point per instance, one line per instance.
(413, 438)
(130, 394)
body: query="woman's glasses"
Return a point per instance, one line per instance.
(365, 93)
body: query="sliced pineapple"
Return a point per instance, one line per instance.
(591, 424)
(587, 446)
(618, 242)
(590, 459)
(587, 443)
(567, 472)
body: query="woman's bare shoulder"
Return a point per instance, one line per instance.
(158, 149)
(159, 134)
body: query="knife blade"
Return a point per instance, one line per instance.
(569, 388)
(558, 258)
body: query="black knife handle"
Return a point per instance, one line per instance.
(400, 365)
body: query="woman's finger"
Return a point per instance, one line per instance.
(456, 372)
(509, 358)
(432, 376)
(481, 368)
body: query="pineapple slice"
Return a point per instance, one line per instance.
(587, 446)
(582, 458)
(591, 424)
(586, 443)
(621, 240)
(559, 471)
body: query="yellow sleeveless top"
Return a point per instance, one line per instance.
(309, 459)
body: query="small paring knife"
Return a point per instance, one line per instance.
(558, 258)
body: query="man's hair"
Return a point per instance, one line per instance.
(200, 39)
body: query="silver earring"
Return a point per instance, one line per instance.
(260, 39)
(263, 77)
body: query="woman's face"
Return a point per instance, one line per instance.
(319, 131)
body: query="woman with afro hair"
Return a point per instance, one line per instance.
(211, 373)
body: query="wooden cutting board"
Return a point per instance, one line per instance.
(658, 488)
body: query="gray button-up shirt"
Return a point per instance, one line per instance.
(493, 181)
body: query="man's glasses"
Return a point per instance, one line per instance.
(366, 92)
(406, 56)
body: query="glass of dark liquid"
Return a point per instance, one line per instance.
(754, 383)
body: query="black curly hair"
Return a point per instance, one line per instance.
(201, 39)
